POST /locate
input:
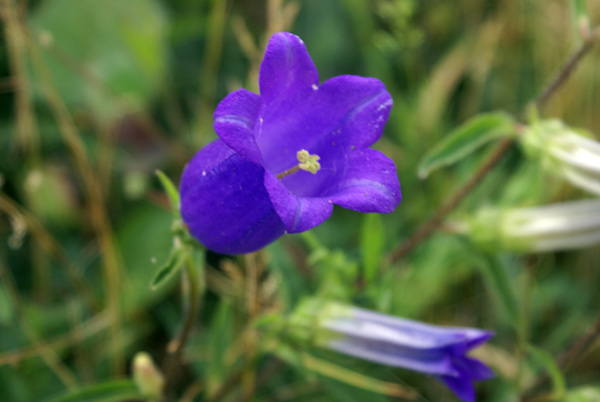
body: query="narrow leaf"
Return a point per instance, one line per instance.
(500, 283)
(466, 139)
(371, 245)
(171, 267)
(170, 189)
(6, 307)
(356, 379)
(548, 362)
(112, 391)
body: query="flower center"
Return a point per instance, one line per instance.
(306, 162)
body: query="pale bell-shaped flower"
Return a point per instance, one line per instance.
(554, 227)
(564, 152)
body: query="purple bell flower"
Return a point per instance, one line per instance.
(439, 351)
(284, 157)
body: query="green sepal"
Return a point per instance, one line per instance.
(171, 191)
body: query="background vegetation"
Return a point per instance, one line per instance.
(97, 95)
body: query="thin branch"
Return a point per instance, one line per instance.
(567, 69)
(580, 347)
(435, 222)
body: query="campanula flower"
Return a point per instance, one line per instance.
(565, 152)
(380, 338)
(554, 227)
(440, 351)
(284, 157)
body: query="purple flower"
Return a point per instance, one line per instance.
(284, 157)
(440, 351)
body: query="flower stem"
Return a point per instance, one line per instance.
(176, 345)
(427, 229)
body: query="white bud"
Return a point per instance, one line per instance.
(564, 152)
(563, 226)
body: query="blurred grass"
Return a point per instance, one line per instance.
(95, 96)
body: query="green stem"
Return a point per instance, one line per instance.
(192, 308)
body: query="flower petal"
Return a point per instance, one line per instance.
(434, 362)
(297, 213)
(235, 118)
(461, 386)
(368, 184)
(287, 71)
(225, 204)
(473, 369)
(344, 113)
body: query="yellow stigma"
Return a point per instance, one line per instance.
(308, 162)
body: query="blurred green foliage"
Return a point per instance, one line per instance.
(138, 81)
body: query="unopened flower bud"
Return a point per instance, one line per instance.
(565, 152)
(397, 342)
(562, 226)
(147, 376)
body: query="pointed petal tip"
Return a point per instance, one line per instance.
(460, 386)
(479, 337)
(287, 69)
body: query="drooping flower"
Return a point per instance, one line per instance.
(284, 157)
(435, 350)
(565, 152)
(554, 227)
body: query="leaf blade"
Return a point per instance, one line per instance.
(465, 139)
(111, 391)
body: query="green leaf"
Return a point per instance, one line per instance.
(117, 62)
(547, 361)
(371, 244)
(6, 307)
(111, 391)
(219, 340)
(173, 265)
(466, 139)
(500, 284)
(171, 191)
